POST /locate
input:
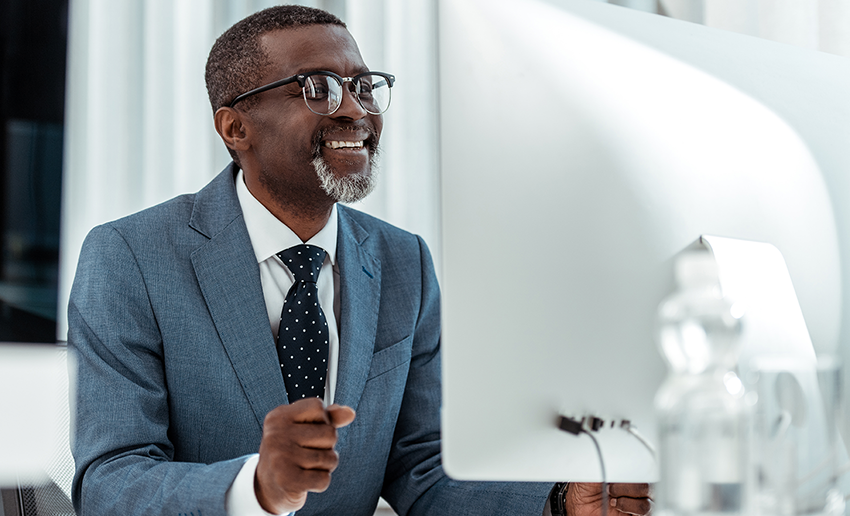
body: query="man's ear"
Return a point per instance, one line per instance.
(231, 126)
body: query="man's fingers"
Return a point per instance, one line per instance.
(308, 410)
(315, 480)
(315, 459)
(340, 415)
(632, 506)
(311, 410)
(320, 432)
(313, 435)
(632, 499)
(630, 490)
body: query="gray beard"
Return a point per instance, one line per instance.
(348, 189)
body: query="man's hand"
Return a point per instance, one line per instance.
(585, 499)
(297, 453)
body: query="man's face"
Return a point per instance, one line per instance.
(306, 159)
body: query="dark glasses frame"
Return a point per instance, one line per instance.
(301, 79)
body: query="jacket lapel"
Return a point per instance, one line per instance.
(360, 294)
(229, 278)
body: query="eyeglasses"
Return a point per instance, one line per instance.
(323, 90)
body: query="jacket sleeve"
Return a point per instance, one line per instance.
(415, 482)
(123, 454)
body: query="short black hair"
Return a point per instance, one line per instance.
(237, 62)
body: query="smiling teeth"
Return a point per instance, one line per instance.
(338, 144)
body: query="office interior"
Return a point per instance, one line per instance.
(104, 113)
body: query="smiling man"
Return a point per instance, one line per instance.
(225, 339)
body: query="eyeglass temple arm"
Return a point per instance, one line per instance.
(389, 79)
(267, 87)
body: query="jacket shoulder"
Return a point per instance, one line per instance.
(156, 222)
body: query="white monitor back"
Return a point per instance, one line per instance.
(576, 163)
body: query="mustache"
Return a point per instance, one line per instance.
(371, 141)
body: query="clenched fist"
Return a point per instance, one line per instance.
(297, 453)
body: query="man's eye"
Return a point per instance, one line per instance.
(316, 91)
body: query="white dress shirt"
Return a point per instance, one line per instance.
(269, 236)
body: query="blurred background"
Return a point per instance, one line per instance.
(104, 112)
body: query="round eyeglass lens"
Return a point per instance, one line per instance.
(323, 94)
(374, 93)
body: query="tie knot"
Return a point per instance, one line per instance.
(305, 261)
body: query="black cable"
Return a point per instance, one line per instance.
(602, 467)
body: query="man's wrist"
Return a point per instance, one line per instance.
(241, 499)
(558, 499)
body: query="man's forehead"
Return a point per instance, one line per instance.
(313, 47)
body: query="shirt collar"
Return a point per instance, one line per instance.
(269, 235)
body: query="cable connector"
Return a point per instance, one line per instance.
(594, 423)
(576, 426)
(570, 425)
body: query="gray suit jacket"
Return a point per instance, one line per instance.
(177, 367)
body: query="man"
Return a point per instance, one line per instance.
(181, 316)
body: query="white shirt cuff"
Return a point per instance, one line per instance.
(240, 499)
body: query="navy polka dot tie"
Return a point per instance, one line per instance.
(302, 341)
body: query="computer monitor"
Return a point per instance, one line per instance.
(35, 415)
(583, 146)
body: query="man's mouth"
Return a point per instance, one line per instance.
(343, 144)
(346, 142)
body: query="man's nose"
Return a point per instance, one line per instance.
(350, 107)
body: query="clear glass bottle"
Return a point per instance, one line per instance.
(703, 421)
